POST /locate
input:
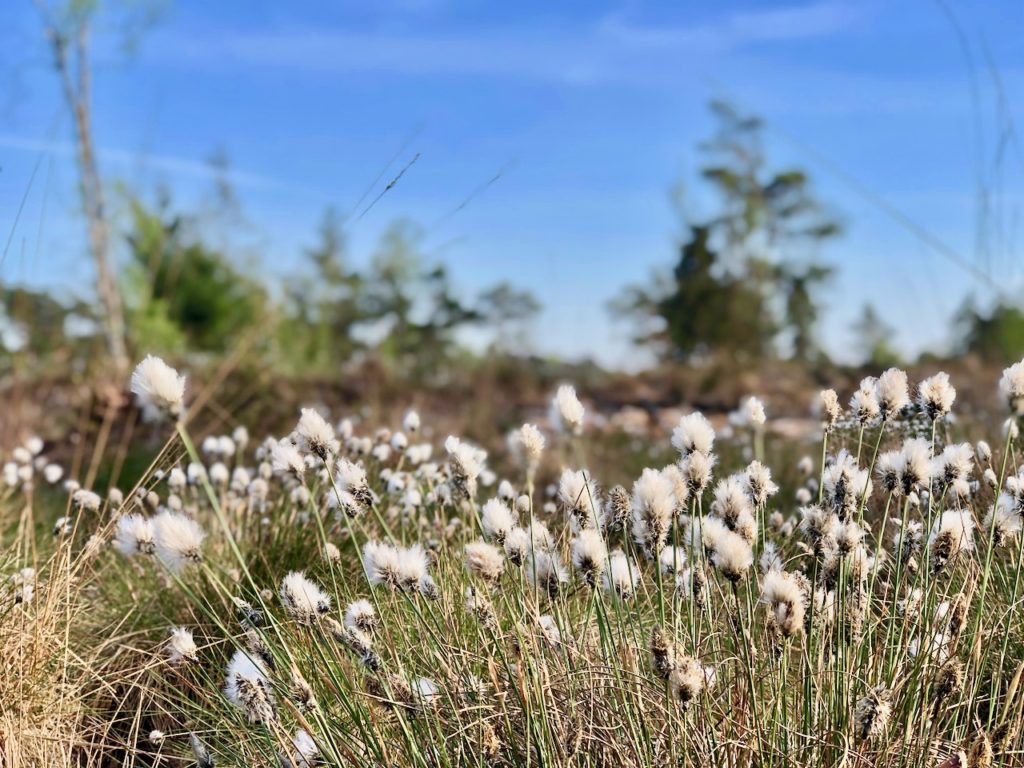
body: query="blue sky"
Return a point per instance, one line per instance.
(591, 110)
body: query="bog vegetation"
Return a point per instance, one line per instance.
(360, 593)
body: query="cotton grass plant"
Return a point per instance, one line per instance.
(347, 594)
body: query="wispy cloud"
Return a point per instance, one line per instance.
(170, 164)
(610, 48)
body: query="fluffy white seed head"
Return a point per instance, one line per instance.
(1011, 386)
(316, 435)
(158, 389)
(831, 411)
(497, 520)
(935, 395)
(577, 493)
(181, 647)
(134, 535)
(485, 560)
(178, 539)
(783, 595)
(527, 445)
(302, 599)
(567, 411)
(622, 576)
(286, 459)
(589, 555)
(893, 392)
(864, 402)
(693, 433)
(653, 504)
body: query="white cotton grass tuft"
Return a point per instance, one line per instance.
(1011, 387)
(951, 534)
(159, 390)
(497, 520)
(361, 615)
(893, 393)
(527, 445)
(178, 540)
(782, 593)
(286, 459)
(1003, 520)
(411, 422)
(751, 413)
(622, 576)
(589, 555)
(248, 687)
(578, 495)
(653, 504)
(545, 571)
(351, 490)
(467, 463)
(567, 411)
(303, 600)
(759, 483)
(864, 402)
(181, 647)
(306, 754)
(831, 410)
(693, 433)
(316, 435)
(485, 561)
(397, 568)
(730, 553)
(134, 535)
(935, 396)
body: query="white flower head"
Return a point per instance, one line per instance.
(179, 539)
(567, 411)
(316, 435)
(411, 422)
(1011, 386)
(731, 555)
(361, 615)
(831, 411)
(248, 688)
(467, 463)
(182, 647)
(485, 560)
(134, 535)
(589, 555)
(527, 445)
(935, 395)
(577, 493)
(497, 520)
(302, 599)
(893, 392)
(693, 433)
(622, 576)
(286, 459)
(158, 389)
(654, 502)
(785, 599)
(864, 403)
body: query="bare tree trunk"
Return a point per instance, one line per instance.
(77, 95)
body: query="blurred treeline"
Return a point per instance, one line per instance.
(746, 285)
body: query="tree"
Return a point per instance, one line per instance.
(507, 310)
(747, 277)
(874, 339)
(327, 307)
(185, 294)
(68, 29)
(996, 336)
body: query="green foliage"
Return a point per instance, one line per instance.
(181, 292)
(746, 279)
(997, 336)
(875, 339)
